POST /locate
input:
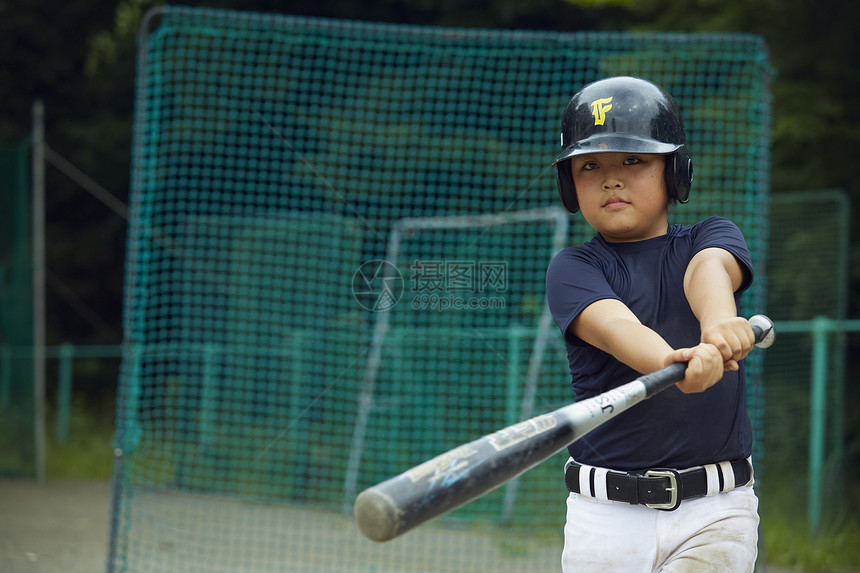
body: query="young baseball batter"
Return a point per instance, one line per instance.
(667, 485)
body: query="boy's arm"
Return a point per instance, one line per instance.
(711, 279)
(611, 326)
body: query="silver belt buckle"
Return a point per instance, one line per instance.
(674, 497)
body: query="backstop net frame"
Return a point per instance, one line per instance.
(272, 157)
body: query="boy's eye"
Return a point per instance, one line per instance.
(589, 165)
(633, 160)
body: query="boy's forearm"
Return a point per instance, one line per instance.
(610, 326)
(641, 348)
(711, 297)
(709, 285)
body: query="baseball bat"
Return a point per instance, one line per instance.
(471, 470)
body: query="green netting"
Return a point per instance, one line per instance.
(17, 456)
(808, 278)
(338, 239)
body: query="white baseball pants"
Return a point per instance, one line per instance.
(715, 534)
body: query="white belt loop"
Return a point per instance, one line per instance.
(600, 490)
(728, 476)
(585, 480)
(713, 479)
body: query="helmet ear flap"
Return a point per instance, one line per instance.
(680, 177)
(566, 187)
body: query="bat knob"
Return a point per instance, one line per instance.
(763, 329)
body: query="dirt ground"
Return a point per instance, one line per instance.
(62, 527)
(56, 527)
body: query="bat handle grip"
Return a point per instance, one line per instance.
(658, 381)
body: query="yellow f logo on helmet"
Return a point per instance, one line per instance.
(599, 107)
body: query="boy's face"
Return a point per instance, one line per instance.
(622, 195)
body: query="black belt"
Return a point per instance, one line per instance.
(657, 488)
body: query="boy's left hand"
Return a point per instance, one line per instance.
(734, 339)
(704, 367)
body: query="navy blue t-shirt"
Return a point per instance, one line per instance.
(672, 429)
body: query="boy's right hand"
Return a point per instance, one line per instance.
(733, 337)
(705, 367)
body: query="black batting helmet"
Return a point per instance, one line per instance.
(626, 115)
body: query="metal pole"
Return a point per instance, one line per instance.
(511, 413)
(5, 375)
(818, 415)
(514, 333)
(39, 336)
(64, 391)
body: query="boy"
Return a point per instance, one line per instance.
(639, 296)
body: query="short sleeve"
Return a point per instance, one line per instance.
(574, 279)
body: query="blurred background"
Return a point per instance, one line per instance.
(78, 58)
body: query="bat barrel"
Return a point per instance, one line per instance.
(455, 478)
(376, 515)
